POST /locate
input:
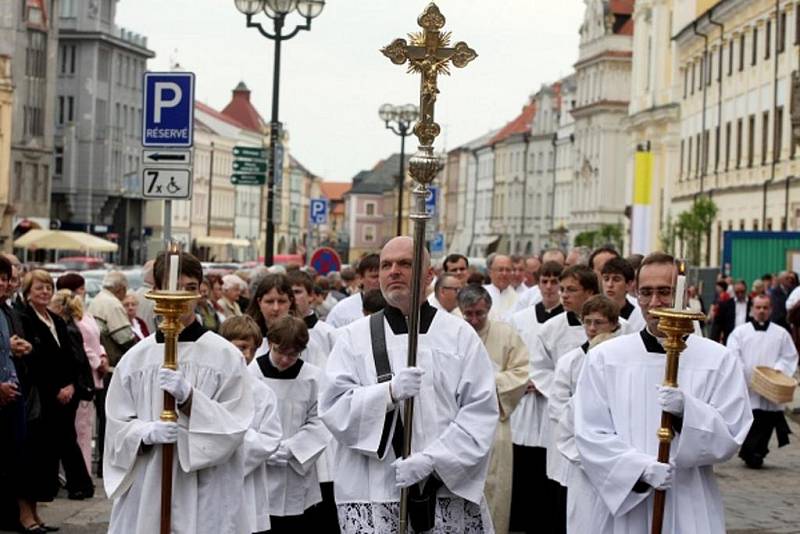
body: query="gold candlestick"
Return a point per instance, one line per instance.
(675, 325)
(171, 306)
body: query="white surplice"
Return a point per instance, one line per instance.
(502, 302)
(527, 298)
(260, 441)
(530, 416)
(455, 417)
(771, 348)
(208, 471)
(346, 311)
(295, 487)
(617, 415)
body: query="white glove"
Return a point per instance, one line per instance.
(658, 475)
(671, 400)
(280, 457)
(160, 432)
(412, 469)
(406, 383)
(173, 383)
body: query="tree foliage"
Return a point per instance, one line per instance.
(692, 226)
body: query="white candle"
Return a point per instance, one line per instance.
(680, 290)
(172, 285)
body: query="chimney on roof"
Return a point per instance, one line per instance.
(241, 92)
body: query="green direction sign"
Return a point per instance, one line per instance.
(251, 166)
(248, 179)
(249, 152)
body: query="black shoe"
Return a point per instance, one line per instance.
(33, 529)
(755, 461)
(80, 495)
(48, 528)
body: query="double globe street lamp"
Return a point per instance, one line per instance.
(399, 120)
(277, 10)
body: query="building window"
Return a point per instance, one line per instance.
(105, 10)
(706, 140)
(35, 74)
(754, 57)
(699, 156)
(689, 160)
(691, 85)
(764, 136)
(741, 53)
(369, 233)
(70, 109)
(739, 135)
(370, 208)
(782, 32)
(721, 55)
(709, 68)
(755, 225)
(730, 58)
(751, 140)
(58, 161)
(67, 59)
(103, 65)
(783, 224)
(17, 195)
(777, 143)
(680, 167)
(768, 225)
(727, 144)
(741, 225)
(796, 25)
(767, 39)
(702, 72)
(717, 147)
(60, 110)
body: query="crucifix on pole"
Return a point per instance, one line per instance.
(429, 54)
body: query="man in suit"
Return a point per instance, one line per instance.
(732, 313)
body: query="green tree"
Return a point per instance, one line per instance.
(692, 227)
(586, 239)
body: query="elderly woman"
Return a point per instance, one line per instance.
(232, 287)
(95, 354)
(206, 308)
(54, 370)
(131, 304)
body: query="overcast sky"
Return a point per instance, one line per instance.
(333, 78)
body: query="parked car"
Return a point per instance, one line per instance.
(81, 263)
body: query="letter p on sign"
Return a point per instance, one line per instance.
(161, 89)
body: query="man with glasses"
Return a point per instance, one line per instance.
(445, 293)
(510, 359)
(503, 294)
(618, 402)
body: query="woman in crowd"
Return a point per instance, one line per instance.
(206, 308)
(272, 300)
(131, 304)
(232, 287)
(54, 373)
(98, 361)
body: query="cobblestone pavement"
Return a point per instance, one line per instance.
(765, 501)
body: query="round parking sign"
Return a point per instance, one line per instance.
(325, 260)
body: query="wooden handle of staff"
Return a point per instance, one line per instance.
(167, 453)
(660, 496)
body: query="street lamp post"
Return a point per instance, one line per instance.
(398, 119)
(277, 10)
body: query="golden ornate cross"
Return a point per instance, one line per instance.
(429, 54)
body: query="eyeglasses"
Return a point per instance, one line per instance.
(646, 293)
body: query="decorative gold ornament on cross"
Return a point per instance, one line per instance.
(428, 54)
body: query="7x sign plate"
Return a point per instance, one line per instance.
(167, 183)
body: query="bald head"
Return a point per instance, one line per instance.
(396, 276)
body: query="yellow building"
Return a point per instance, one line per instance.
(733, 83)
(6, 108)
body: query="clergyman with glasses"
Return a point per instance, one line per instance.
(618, 401)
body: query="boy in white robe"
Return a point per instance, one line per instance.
(557, 337)
(293, 483)
(349, 309)
(264, 435)
(761, 342)
(600, 317)
(321, 337)
(618, 402)
(455, 411)
(616, 279)
(215, 409)
(528, 420)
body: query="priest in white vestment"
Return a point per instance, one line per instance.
(760, 342)
(618, 402)
(445, 293)
(455, 411)
(528, 502)
(510, 358)
(503, 294)
(215, 409)
(351, 308)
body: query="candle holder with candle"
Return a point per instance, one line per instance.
(171, 303)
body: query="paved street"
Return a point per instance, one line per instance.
(756, 502)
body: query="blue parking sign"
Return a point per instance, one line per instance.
(430, 200)
(168, 109)
(318, 211)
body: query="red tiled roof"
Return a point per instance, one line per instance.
(521, 124)
(205, 108)
(241, 110)
(334, 190)
(621, 7)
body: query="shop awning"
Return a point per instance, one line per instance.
(212, 241)
(64, 240)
